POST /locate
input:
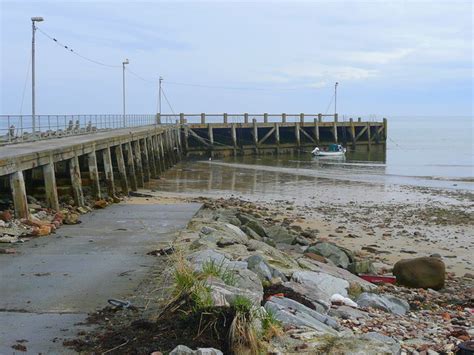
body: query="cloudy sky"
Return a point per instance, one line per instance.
(390, 57)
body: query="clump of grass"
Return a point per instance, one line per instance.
(242, 335)
(213, 268)
(271, 327)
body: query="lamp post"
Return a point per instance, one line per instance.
(123, 89)
(159, 95)
(33, 104)
(335, 97)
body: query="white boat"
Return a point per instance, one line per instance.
(334, 150)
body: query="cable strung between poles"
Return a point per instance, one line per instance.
(69, 49)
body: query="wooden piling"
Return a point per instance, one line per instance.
(152, 161)
(132, 177)
(225, 117)
(122, 170)
(94, 174)
(233, 133)
(320, 117)
(353, 135)
(246, 117)
(369, 138)
(265, 117)
(76, 182)
(297, 134)
(283, 118)
(50, 186)
(137, 155)
(316, 130)
(145, 159)
(385, 129)
(203, 118)
(255, 134)
(17, 185)
(301, 118)
(108, 172)
(334, 130)
(277, 137)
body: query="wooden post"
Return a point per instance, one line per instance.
(181, 118)
(302, 118)
(132, 177)
(359, 119)
(203, 118)
(265, 118)
(385, 129)
(334, 131)
(283, 118)
(151, 157)
(335, 117)
(246, 118)
(320, 117)
(159, 153)
(368, 136)
(122, 169)
(277, 137)
(94, 174)
(109, 172)
(225, 117)
(145, 159)
(297, 134)
(186, 138)
(50, 186)
(158, 118)
(316, 130)
(75, 172)
(137, 155)
(234, 137)
(164, 155)
(17, 185)
(352, 133)
(255, 134)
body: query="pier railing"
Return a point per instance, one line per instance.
(19, 128)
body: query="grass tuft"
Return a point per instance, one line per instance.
(213, 268)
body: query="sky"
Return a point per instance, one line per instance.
(389, 57)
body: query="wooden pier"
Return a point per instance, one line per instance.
(274, 134)
(73, 169)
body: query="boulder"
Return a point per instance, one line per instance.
(71, 218)
(253, 223)
(346, 312)
(339, 256)
(361, 267)
(280, 234)
(258, 265)
(358, 345)
(99, 204)
(387, 303)
(198, 258)
(184, 350)
(425, 272)
(248, 280)
(223, 295)
(250, 233)
(327, 284)
(290, 312)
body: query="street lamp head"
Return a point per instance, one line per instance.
(125, 61)
(337, 83)
(37, 19)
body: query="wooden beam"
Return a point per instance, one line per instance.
(76, 182)
(132, 177)
(199, 138)
(316, 130)
(109, 172)
(94, 174)
(307, 135)
(360, 133)
(277, 136)
(151, 157)
(297, 134)
(50, 186)
(137, 157)
(334, 130)
(353, 138)
(145, 159)
(122, 169)
(17, 185)
(266, 136)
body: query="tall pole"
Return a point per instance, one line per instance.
(335, 98)
(159, 95)
(33, 103)
(123, 89)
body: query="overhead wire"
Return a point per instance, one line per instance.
(167, 101)
(24, 86)
(70, 50)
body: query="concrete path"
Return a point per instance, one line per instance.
(55, 281)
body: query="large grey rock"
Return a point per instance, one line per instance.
(306, 294)
(184, 350)
(248, 280)
(328, 285)
(223, 295)
(346, 312)
(361, 267)
(425, 272)
(251, 233)
(280, 234)
(359, 345)
(387, 303)
(257, 264)
(339, 256)
(199, 258)
(290, 312)
(253, 223)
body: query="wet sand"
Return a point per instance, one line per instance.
(373, 217)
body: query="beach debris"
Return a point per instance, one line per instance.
(341, 300)
(163, 251)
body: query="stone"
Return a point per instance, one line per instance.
(207, 230)
(198, 258)
(250, 233)
(327, 284)
(71, 218)
(346, 312)
(316, 257)
(389, 341)
(387, 303)
(223, 295)
(424, 272)
(339, 256)
(290, 312)
(341, 300)
(6, 216)
(7, 251)
(182, 350)
(100, 204)
(361, 267)
(248, 280)
(252, 223)
(280, 234)
(358, 345)
(258, 265)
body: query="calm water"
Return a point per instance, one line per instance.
(421, 151)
